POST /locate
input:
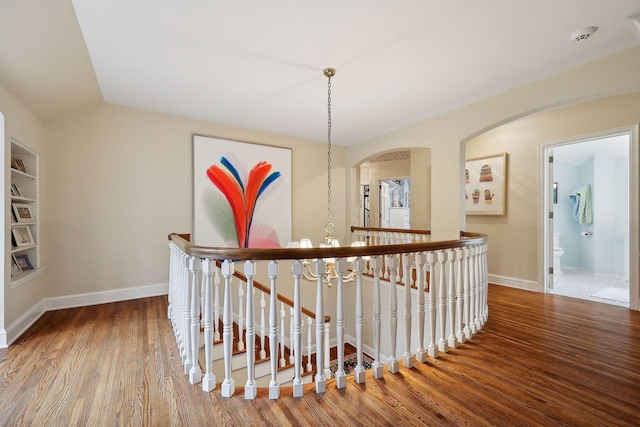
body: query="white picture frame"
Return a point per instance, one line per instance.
(22, 235)
(23, 212)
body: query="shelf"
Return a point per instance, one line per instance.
(22, 277)
(27, 185)
(22, 199)
(15, 173)
(23, 223)
(22, 248)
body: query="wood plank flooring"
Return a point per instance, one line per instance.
(541, 360)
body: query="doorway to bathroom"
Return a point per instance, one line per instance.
(587, 199)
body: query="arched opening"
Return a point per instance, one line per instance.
(405, 173)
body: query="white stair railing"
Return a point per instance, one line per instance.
(453, 276)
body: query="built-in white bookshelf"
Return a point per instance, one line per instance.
(24, 213)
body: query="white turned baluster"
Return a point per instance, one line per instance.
(186, 312)
(297, 330)
(309, 344)
(177, 308)
(392, 362)
(274, 386)
(184, 317)
(202, 284)
(240, 316)
(263, 328)
(460, 296)
(216, 305)
(478, 310)
(451, 298)
(283, 361)
(387, 270)
(195, 374)
(485, 284)
(292, 357)
(228, 384)
(467, 292)
(321, 382)
(209, 379)
(432, 350)
(327, 350)
(442, 302)
(250, 388)
(407, 358)
(485, 265)
(473, 296)
(359, 373)
(341, 378)
(421, 352)
(172, 271)
(376, 263)
(398, 279)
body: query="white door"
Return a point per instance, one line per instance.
(384, 204)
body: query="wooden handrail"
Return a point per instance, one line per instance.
(262, 287)
(240, 254)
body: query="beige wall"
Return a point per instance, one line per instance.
(120, 180)
(521, 139)
(420, 189)
(22, 125)
(445, 134)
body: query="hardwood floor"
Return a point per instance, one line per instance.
(539, 360)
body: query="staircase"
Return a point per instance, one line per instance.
(262, 360)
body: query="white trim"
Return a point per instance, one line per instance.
(103, 297)
(19, 327)
(513, 282)
(634, 204)
(24, 322)
(3, 339)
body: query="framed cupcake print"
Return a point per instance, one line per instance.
(485, 188)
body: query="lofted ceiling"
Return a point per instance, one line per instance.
(259, 64)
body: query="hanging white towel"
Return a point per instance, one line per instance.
(582, 204)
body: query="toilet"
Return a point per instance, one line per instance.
(557, 253)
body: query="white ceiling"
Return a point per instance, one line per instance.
(259, 64)
(578, 152)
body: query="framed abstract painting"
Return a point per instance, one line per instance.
(485, 188)
(241, 194)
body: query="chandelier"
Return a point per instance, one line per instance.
(330, 240)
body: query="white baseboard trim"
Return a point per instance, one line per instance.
(18, 327)
(3, 339)
(512, 282)
(103, 297)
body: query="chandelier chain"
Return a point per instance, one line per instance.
(329, 219)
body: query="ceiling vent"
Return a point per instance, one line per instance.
(583, 34)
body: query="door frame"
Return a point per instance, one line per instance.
(545, 239)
